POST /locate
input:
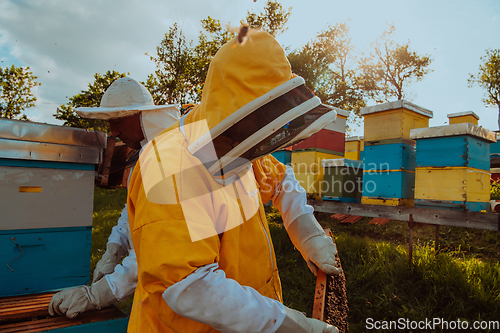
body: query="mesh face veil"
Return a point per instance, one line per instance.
(283, 116)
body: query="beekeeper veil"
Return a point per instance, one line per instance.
(251, 105)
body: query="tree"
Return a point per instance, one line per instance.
(489, 78)
(391, 67)
(174, 67)
(182, 66)
(273, 19)
(15, 91)
(330, 68)
(88, 98)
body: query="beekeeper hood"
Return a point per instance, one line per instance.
(126, 97)
(251, 105)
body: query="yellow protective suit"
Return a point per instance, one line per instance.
(162, 238)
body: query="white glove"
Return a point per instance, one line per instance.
(296, 322)
(72, 302)
(316, 248)
(114, 253)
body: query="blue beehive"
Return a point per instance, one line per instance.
(453, 167)
(389, 175)
(454, 151)
(390, 155)
(47, 177)
(284, 156)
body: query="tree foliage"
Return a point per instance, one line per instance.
(391, 67)
(488, 78)
(88, 98)
(329, 66)
(15, 91)
(174, 66)
(273, 19)
(182, 65)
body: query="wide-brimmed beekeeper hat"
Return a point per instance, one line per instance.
(123, 98)
(126, 97)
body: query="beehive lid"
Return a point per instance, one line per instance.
(463, 114)
(341, 162)
(453, 130)
(368, 110)
(44, 142)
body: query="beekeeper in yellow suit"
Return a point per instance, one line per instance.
(204, 254)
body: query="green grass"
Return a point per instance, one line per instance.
(461, 280)
(108, 205)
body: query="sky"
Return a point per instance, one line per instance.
(65, 42)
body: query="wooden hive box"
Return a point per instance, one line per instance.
(463, 117)
(330, 139)
(284, 156)
(388, 187)
(353, 148)
(393, 120)
(306, 165)
(389, 175)
(455, 188)
(47, 175)
(495, 152)
(309, 160)
(453, 169)
(394, 155)
(342, 180)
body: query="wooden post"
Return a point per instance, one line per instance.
(410, 240)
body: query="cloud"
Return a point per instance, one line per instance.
(66, 42)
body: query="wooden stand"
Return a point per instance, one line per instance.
(29, 313)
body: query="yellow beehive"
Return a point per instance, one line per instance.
(393, 120)
(387, 202)
(306, 160)
(311, 182)
(457, 184)
(308, 171)
(353, 148)
(463, 117)
(352, 155)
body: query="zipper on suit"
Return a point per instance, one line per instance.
(268, 243)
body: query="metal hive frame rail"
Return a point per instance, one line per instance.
(414, 216)
(475, 220)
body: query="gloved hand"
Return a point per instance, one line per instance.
(316, 248)
(114, 253)
(296, 322)
(72, 302)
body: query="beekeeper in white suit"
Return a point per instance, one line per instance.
(128, 107)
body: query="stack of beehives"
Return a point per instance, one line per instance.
(389, 154)
(306, 158)
(453, 165)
